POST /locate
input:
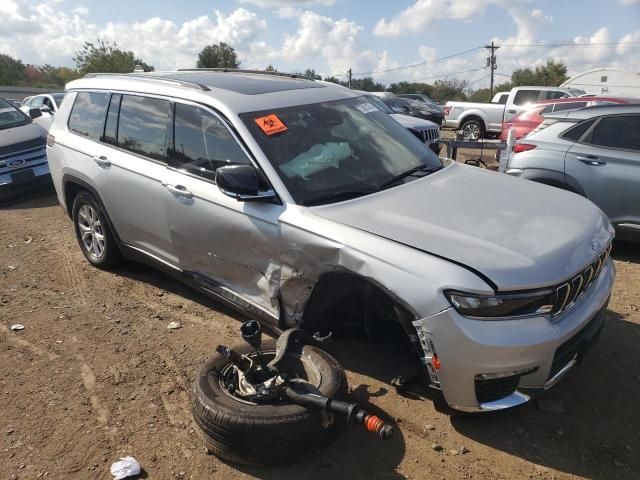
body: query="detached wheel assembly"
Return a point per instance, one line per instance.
(269, 403)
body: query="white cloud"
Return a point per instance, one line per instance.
(289, 3)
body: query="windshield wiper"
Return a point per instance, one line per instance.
(337, 197)
(408, 173)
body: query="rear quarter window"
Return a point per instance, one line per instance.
(143, 126)
(575, 133)
(88, 114)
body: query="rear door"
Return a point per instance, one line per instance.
(120, 146)
(230, 247)
(606, 163)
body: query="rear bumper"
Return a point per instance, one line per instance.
(493, 365)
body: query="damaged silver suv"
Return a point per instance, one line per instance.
(301, 203)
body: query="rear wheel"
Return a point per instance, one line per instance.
(472, 130)
(93, 233)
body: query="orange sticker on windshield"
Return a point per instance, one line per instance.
(271, 124)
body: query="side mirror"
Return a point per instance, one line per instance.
(241, 182)
(45, 109)
(35, 113)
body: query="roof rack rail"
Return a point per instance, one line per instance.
(152, 78)
(238, 70)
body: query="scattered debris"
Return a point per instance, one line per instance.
(17, 327)
(11, 268)
(552, 406)
(28, 240)
(124, 468)
(464, 450)
(560, 432)
(628, 448)
(437, 447)
(9, 431)
(429, 427)
(618, 463)
(174, 326)
(453, 452)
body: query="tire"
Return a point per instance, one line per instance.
(87, 214)
(472, 130)
(273, 434)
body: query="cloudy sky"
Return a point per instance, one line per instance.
(332, 36)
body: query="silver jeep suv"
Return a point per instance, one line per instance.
(301, 203)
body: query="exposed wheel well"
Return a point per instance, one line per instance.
(71, 191)
(347, 304)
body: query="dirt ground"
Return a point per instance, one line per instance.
(96, 375)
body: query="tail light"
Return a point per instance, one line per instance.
(51, 140)
(523, 147)
(446, 111)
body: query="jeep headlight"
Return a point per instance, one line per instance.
(508, 305)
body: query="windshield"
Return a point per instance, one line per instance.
(10, 116)
(331, 151)
(58, 98)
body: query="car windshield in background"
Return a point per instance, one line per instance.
(379, 103)
(332, 151)
(10, 116)
(58, 98)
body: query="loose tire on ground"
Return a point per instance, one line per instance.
(254, 434)
(87, 214)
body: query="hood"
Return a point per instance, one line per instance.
(407, 121)
(20, 135)
(517, 233)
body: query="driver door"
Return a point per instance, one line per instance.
(229, 247)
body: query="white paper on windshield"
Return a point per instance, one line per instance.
(367, 108)
(317, 158)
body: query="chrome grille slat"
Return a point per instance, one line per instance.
(569, 292)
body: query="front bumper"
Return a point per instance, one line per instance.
(505, 361)
(29, 180)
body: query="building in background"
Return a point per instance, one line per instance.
(606, 81)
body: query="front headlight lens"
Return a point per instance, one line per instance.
(506, 305)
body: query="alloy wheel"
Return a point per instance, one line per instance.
(91, 231)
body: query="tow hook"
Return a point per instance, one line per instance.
(262, 382)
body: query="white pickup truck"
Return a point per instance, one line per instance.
(477, 119)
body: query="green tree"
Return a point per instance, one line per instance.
(146, 67)
(218, 56)
(368, 84)
(412, 87)
(105, 57)
(550, 75)
(452, 89)
(11, 70)
(311, 73)
(334, 80)
(270, 68)
(484, 94)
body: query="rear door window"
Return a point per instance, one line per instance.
(142, 126)
(526, 96)
(87, 114)
(203, 143)
(621, 131)
(553, 95)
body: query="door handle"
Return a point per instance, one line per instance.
(512, 111)
(591, 160)
(102, 161)
(179, 190)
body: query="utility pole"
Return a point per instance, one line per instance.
(491, 63)
(349, 72)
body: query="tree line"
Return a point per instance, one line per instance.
(107, 57)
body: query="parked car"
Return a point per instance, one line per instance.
(527, 120)
(435, 108)
(407, 106)
(302, 204)
(477, 119)
(48, 103)
(426, 131)
(594, 152)
(23, 159)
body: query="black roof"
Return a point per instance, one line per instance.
(247, 83)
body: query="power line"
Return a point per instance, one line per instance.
(466, 52)
(577, 45)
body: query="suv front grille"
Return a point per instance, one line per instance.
(430, 135)
(569, 292)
